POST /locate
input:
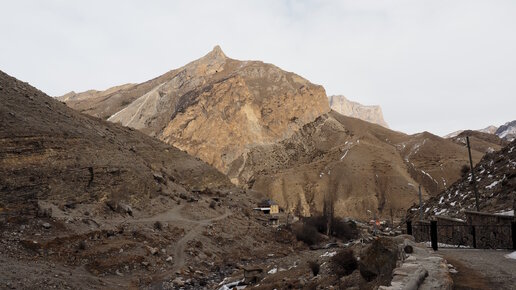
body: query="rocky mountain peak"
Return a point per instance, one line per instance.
(215, 107)
(217, 51)
(215, 54)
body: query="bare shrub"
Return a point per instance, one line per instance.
(213, 204)
(344, 262)
(314, 266)
(307, 234)
(158, 225)
(342, 229)
(346, 230)
(464, 170)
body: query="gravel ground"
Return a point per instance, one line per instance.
(497, 271)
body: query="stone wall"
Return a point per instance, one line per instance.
(492, 231)
(451, 231)
(421, 231)
(480, 230)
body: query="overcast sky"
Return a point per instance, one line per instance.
(432, 65)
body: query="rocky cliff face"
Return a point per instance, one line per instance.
(342, 105)
(215, 108)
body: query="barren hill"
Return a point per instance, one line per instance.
(89, 204)
(506, 131)
(214, 108)
(496, 183)
(366, 166)
(41, 138)
(342, 105)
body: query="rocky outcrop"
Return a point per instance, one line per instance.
(342, 105)
(378, 260)
(215, 108)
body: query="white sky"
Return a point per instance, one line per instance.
(432, 65)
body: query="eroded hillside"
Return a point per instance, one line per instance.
(367, 167)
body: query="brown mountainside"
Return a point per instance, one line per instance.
(89, 204)
(214, 108)
(366, 166)
(270, 130)
(42, 138)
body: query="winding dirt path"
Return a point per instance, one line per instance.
(179, 249)
(174, 215)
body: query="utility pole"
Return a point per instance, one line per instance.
(473, 180)
(374, 224)
(392, 220)
(420, 205)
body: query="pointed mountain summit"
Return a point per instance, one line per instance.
(214, 108)
(217, 52)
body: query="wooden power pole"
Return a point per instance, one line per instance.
(473, 180)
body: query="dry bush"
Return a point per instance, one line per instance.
(307, 234)
(464, 170)
(314, 266)
(344, 262)
(158, 225)
(345, 230)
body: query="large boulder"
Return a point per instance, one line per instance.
(378, 260)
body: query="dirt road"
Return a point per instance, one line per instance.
(482, 269)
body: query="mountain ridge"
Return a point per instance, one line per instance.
(274, 132)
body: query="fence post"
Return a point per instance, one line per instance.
(513, 230)
(474, 234)
(409, 228)
(433, 234)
